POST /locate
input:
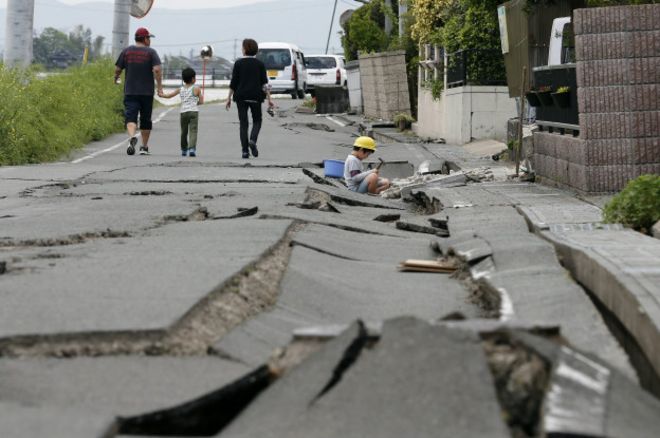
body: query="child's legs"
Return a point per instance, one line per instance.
(185, 121)
(373, 183)
(364, 186)
(242, 108)
(193, 127)
(257, 117)
(383, 184)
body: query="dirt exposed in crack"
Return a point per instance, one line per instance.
(521, 380)
(149, 193)
(247, 294)
(424, 204)
(200, 214)
(479, 294)
(72, 239)
(254, 289)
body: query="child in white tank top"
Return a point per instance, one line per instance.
(191, 97)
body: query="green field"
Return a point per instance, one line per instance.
(44, 118)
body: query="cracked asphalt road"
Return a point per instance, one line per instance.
(131, 284)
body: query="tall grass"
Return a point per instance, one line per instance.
(45, 119)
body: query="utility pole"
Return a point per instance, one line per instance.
(327, 44)
(120, 27)
(388, 20)
(18, 33)
(403, 10)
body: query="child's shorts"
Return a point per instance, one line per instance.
(364, 186)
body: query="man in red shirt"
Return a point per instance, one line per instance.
(142, 65)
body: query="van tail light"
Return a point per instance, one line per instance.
(294, 72)
(338, 77)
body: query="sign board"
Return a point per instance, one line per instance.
(140, 8)
(504, 31)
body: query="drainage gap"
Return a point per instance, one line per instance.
(204, 416)
(350, 356)
(648, 378)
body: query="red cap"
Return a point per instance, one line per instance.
(143, 32)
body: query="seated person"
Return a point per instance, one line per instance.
(357, 179)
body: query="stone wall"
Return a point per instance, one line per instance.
(618, 77)
(384, 84)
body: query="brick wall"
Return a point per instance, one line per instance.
(384, 84)
(618, 77)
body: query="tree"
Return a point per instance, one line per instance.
(364, 31)
(55, 49)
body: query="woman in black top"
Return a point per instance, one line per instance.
(249, 87)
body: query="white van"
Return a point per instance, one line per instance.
(285, 65)
(325, 70)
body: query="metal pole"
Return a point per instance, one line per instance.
(388, 20)
(18, 33)
(203, 77)
(518, 147)
(403, 10)
(120, 27)
(327, 44)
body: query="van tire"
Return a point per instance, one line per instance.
(294, 94)
(301, 93)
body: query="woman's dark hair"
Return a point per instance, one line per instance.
(250, 46)
(188, 74)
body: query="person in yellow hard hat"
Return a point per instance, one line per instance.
(357, 179)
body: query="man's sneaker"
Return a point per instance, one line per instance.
(131, 146)
(253, 149)
(184, 152)
(192, 152)
(144, 150)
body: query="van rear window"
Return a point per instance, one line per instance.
(274, 59)
(321, 62)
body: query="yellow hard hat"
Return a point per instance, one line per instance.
(365, 143)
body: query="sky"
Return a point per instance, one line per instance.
(173, 4)
(181, 30)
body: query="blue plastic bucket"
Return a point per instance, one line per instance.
(333, 168)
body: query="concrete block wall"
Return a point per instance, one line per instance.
(384, 84)
(618, 77)
(464, 114)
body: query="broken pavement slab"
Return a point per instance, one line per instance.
(588, 397)
(374, 249)
(201, 174)
(80, 397)
(336, 294)
(29, 421)
(395, 383)
(111, 284)
(525, 273)
(320, 288)
(347, 197)
(622, 269)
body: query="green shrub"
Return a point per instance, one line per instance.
(43, 119)
(638, 204)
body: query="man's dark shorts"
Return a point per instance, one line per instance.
(135, 105)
